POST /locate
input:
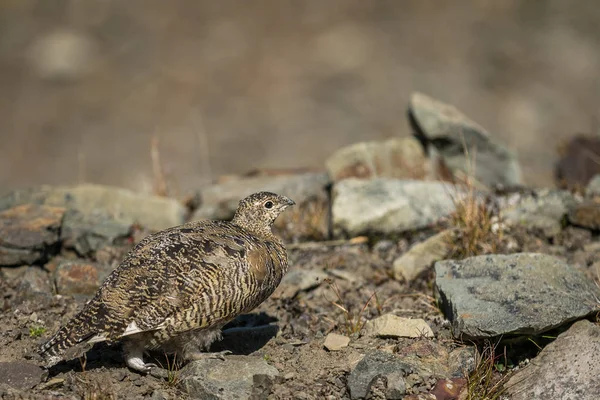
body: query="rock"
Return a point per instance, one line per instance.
(578, 162)
(543, 210)
(390, 325)
(125, 206)
(586, 215)
(388, 206)
(21, 375)
(79, 277)
(378, 366)
(566, 369)
(298, 280)
(220, 201)
(335, 342)
(88, 233)
(421, 256)
(32, 279)
(29, 234)
(517, 294)
(393, 158)
(237, 377)
(593, 188)
(428, 359)
(447, 130)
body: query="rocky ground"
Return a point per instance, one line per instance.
(416, 272)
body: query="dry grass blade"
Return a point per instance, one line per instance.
(160, 182)
(353, 323)
(476, 221)
(485, 383)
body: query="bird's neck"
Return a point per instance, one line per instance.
(262, 230)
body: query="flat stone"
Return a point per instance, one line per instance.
(79, 277)
(335, 342)
(543, 210)
(447, 130)
(152, 212)
(378, 366)
(390, 325)
(299, 280)
(21, 375)
(586, 215)
(392, 158)
(29, 233)
(237, 377)
(388, 206)
(566, 369)
(518, 294)
(421, 256)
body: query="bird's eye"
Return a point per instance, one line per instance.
(269, 204)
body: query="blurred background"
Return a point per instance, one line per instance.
(226, 86)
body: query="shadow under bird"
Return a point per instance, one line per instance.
(177, 288)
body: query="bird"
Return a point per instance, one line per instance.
(177, 288)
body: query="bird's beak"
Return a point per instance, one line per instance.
(288, 202)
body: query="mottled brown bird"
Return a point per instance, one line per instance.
(177, 288)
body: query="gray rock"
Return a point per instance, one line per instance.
(446, 129)
(237, 377)
(566, 369)
(29, 233)
(374, 368)
(30, 279)
(593, 187)
(543, 210)
(389, 325)
(21, 375)
(220, 201)
(388, 206)
(392, 158)
(152, 212)
(421, 256)
(524, 293)
(299, 280)
(88, 233)
(79, 277)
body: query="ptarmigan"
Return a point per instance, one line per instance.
(177, 288)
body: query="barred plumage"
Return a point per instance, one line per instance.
(177, 288)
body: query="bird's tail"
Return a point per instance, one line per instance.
(71, 340)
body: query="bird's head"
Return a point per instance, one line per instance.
(258, 211)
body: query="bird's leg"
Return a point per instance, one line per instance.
(134, 358)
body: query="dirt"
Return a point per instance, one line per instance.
(359, 282)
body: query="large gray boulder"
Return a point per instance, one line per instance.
(566, 369)
(448, 131)
(517, 294)
(389, 206)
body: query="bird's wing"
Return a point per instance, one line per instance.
(198, 274)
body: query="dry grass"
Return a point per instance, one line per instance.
(161, 187)
(485, 382)
(477, 226)
(476, 221)
(353, 321)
